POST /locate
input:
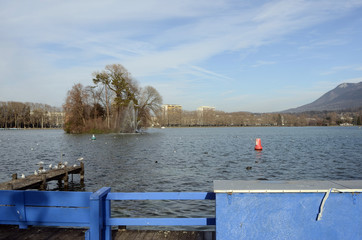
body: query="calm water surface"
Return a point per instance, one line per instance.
(187, 159)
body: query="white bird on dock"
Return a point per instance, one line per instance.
(41, 163)
(74, 165)
(43, 170)
(55, 167)
(35, 172)
(65, 163)
(22, 175)
(50, 166)
(80, 159)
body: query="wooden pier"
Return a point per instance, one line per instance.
(40, 180)
(41, 233)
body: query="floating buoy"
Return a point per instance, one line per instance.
(93, 137)
(258, 146)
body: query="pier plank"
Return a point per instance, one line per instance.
(39, 233)
(50, 233)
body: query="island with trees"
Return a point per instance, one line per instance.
(115, 103)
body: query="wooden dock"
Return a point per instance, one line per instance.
(13, 232)
(40, 180)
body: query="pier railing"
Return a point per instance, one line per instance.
(85, 209)
(161, 221)
(244, 209)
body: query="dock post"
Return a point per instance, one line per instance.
(14, 176)
(9, 186)
(82, 173)
(59, 179)
(43, 185)
(65, 179)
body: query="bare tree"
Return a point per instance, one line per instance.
(75, 109)
(149, 105)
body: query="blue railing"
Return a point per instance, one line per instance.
(85, 209)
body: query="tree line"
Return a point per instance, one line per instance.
(29, 115)
(113, 103)
(220, 118)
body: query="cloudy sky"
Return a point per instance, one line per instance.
(235, 55)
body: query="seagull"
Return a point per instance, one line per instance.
(80, 159)
(41, 163)
(22, 175)
(35, 172)
(55, 167)
(74, 165)
(50, 166)
(65, 163)
(43, 170)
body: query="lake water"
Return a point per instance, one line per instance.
(187, 159)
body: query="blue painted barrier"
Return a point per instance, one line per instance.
(25, 208)
(288, 210)
(85, 209)
(244, 209)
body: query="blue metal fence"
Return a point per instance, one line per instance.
(86, 209)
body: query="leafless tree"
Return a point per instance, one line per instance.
(75, 109)
(150, 102)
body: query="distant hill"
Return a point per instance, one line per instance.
(345, 96)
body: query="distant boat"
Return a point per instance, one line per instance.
(94, 137)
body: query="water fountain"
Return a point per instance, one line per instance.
(130, 122)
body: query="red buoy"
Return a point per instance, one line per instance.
(258, 144)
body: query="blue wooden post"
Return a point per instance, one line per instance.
(19, 200)
(108, 228)
(97, 214)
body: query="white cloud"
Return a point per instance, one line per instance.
(262, 63)
(52, 44)
(337, 69)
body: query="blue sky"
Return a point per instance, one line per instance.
(237, 55)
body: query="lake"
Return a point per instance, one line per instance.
(187, 159)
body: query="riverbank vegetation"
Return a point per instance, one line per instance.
(30, 115)
(114, 103)
(36, 115)
(220, 118)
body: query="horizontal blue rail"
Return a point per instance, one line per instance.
(162, 196)
(160, 221)
(86, 209)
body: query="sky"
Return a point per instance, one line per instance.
(234, 55)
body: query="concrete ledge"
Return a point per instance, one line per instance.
(240, 186)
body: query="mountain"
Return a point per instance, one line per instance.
(345, 96)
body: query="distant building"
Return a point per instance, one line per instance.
(206, 115)
(205, 108)
(49, 119)
(171, 114)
